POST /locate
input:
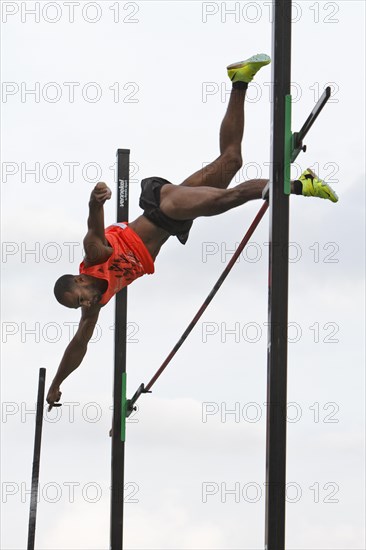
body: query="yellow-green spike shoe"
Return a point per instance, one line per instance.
(244, 71)
(312, 186)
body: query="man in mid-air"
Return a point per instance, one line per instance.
(116, 256)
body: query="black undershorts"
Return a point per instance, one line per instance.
(150, 203)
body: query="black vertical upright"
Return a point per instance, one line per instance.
(36, 460)
(120, 339)
(278, 285)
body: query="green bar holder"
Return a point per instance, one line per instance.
(123, 406)
(288, 145)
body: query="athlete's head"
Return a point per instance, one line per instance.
(76, 290)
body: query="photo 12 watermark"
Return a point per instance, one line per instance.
(252, 412)
(255, 12)
(71, 412)
(252, 492)
(52, 332)
(69, 92)
(252, 332)
(72, 12)
(67, 171)
(220, 92)
(254, 252)
(71, 492)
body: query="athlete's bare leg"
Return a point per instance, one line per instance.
(195, 196)
(205, 193)
(221, 171)
(186, 203)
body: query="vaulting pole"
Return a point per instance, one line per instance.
(278, 279)
(130, 404)
(120, 344)
(211, 296)
(36, 460)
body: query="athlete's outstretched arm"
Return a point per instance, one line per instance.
(74, 352)
(95, 244)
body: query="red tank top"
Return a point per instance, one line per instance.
(130, 259)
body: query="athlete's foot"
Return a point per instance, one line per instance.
(244, 71)
(312, 186)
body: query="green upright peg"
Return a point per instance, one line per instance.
(123, 406)
(288, 145)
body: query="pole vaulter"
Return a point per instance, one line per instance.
(124, 251)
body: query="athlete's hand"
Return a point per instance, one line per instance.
(53, 396)
(101, 193)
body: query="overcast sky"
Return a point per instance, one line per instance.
(81, 79)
